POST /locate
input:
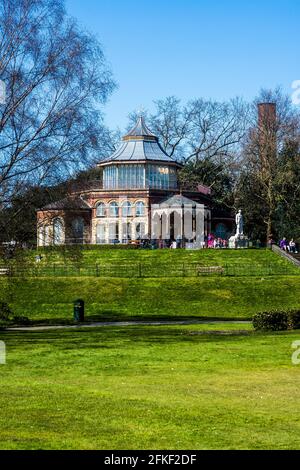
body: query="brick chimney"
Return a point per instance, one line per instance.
(267, 120)
(266, 116)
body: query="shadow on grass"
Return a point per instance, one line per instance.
(120, 338)
(113, 317)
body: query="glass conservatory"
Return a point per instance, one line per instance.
(135, 176)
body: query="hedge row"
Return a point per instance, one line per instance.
(7, 317)
(277, 320)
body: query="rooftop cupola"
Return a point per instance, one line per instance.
(140, 163)
(139, 145)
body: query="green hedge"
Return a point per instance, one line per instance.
(277, 320)
(294, 319)
(5, 311)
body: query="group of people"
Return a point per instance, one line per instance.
(214, 242)
(288, 246)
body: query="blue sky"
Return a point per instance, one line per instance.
(192, 48)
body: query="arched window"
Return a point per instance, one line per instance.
(113, 209)
(78, 229)
(100, 210)
(58, 232)
(139, 209)
(126, 209)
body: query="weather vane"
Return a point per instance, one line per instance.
(141, 111)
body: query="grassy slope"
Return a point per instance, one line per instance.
(146, 387)
(51, 299)
(125, 256)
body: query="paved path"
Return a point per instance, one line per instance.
(125, 323)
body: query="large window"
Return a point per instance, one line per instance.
(113, 209)
(126, 209)
(78, 229)
(124, 176)
(161, 177)
(140, 176)
(131, 176)
(113, 232)
(110, 177)
(101, 233)
(100, 210)
(139, 209)
(126, 232)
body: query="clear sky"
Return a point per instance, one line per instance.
(192, 48)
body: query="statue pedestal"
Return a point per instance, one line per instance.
(239, 241)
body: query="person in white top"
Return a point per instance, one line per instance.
(292, 246)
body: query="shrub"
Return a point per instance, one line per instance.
(271, 321)
(5, 311)
(277, 320)
(294, 319)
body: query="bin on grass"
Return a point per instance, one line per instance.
(79, 310)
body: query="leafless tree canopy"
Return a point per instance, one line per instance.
(56, 80)
(201, 129)
(270, 159)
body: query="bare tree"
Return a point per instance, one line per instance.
(216, 129)
(276, 129)
(201, 129)
(56, 80)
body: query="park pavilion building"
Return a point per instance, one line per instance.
(137, 197)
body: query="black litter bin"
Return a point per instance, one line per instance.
(79, 310)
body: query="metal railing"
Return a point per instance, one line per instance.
(152, 270)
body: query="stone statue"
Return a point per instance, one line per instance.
(239, 240)
(239, 220)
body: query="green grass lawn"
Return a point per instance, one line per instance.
(150, 388)
(119, 255)
(50, 299)
(111, 262)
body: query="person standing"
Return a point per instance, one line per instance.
(284, 244)
(292, 246)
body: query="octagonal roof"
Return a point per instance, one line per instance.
(139, 145)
